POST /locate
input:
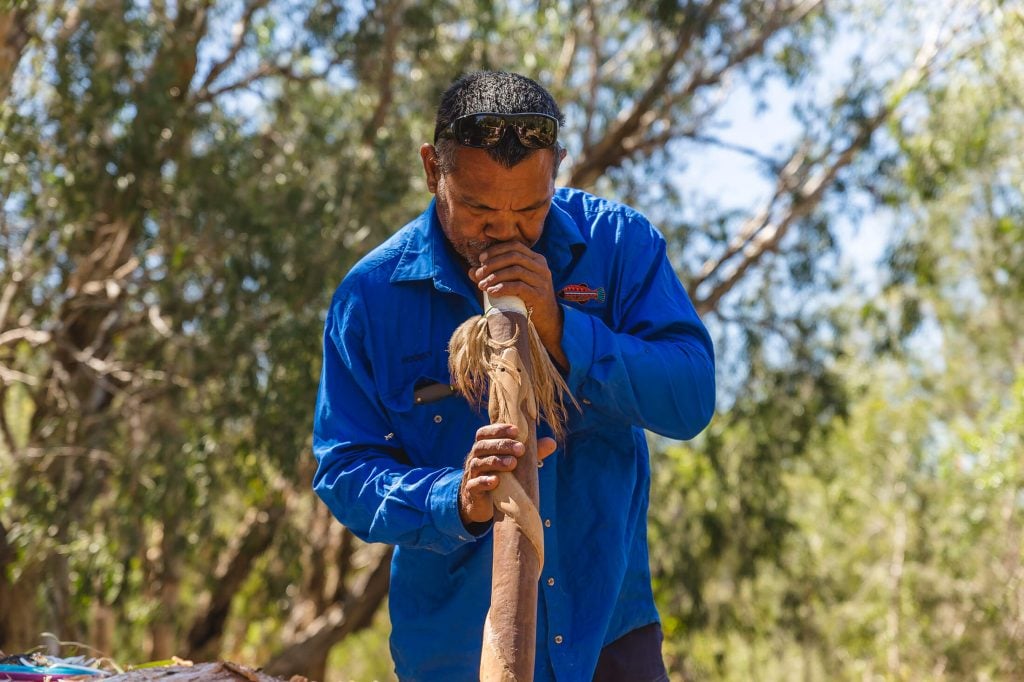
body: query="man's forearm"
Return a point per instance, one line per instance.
(665, 384)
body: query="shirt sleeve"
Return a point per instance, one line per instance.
(362, 477)
(656, 369)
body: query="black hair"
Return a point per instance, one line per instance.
(498, 92)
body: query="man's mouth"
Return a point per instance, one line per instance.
(473, 250)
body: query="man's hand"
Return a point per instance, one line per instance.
(495, 450)
(513, 269)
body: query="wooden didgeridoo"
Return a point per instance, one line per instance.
(510, 632)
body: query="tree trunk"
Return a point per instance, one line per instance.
(14, 36)
(302, 656)
(104, 622)
(164, 628)
(59, 598)
(19, 628)
(204, 638)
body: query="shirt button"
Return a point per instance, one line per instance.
(540, 463)
(586, 402)
(551, 582)
(547, 523)
(558, 639)
(437, 418)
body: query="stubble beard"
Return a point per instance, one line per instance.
(470, 250)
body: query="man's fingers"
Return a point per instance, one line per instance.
(528, 259)
(480, 485)
(491, 431)
(512, 273)
(499, 249)
(479, 466)
(515, 288)
(502, 461)
(517, 267)
(482, 474)
(498, 446)
(509, 255)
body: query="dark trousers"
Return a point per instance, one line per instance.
(634, 657)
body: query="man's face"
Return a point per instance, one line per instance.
(481, 202)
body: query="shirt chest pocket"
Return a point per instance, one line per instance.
(433, 425)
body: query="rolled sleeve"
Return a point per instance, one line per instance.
(443, 502)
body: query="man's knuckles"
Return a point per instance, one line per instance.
(482, 466)
(498, 446)
(493, 431)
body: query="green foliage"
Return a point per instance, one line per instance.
(365, 656)
(184, 185)
(899, 551)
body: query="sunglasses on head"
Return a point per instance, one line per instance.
(535, 131)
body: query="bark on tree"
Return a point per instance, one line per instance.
(19, 628)
(204, 638)
(14, 35)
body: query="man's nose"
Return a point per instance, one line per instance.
(502, 228)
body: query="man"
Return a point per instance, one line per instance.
(391, 439)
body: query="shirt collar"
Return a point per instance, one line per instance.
(417, 261)
(427, 255)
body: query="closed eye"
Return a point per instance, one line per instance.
(483, 207)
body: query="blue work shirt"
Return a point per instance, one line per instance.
(390, 464)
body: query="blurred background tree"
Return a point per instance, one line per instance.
(183, 184)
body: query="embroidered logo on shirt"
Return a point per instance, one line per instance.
(581, 293)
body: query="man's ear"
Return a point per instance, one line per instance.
(560, 153)
(429, 156)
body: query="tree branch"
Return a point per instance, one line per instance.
(208, 626)
(352, 615)
(241, 30)
(9, 376)
(263, 71)
(11, 447)
(568, 54)
(343, 560)
(805, 199)
(393, 11)
(14, 36)
(35, 337)
(594, 42)
(608, 151)
(761, 235)
(611, 151)
(772, 164)
(787, 181)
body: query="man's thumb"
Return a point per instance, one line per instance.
(545, 446)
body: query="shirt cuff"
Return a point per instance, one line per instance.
(578, 345)
(443, 502)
